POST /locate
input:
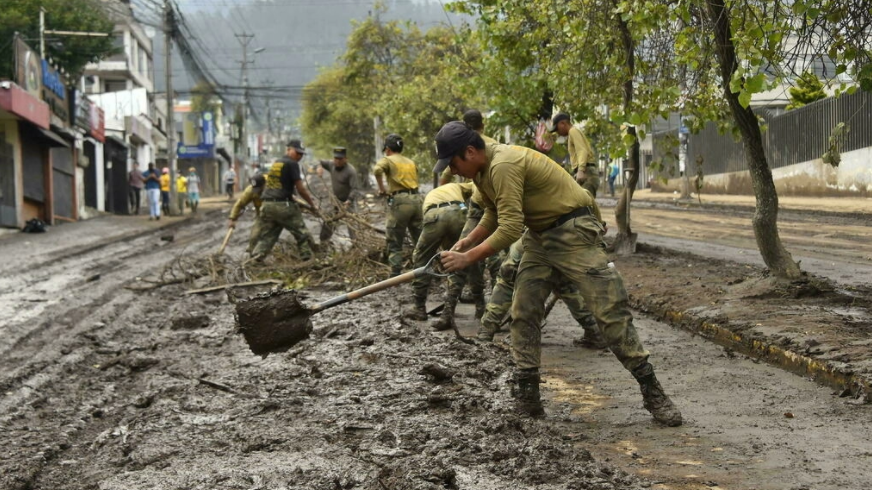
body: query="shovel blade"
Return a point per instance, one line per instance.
(273, 322)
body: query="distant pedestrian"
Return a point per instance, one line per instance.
(613, 175)
(135, 184)
(181, 192)
(152, 189)
(229, 182)
(193, 189)
(165, 190)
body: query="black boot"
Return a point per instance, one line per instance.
(446, 319)
(527, 397)
(654, 399)
(417, 311)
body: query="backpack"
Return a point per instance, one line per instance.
(34, 226)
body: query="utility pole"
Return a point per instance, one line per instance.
(244, 39)
(42, 32)
(169, 30)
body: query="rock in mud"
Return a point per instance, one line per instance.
(190, 322)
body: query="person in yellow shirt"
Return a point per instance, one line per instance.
(444, 217)
(165, 190)
(584, 167)
(522, 188)
(252, 194)
(404, 203)
(181, 192)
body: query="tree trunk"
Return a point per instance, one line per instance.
(625, 241)
(765, 220)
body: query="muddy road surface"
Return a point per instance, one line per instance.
(834, 245)
(102, 387)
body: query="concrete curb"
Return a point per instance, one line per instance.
(826, 373)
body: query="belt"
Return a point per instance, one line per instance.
(443, 204)
(405, 191)
(276, 199)
(585, 211)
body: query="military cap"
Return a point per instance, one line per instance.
(450, 140)
(339, 152)
(560, 116)
(297, 145)
(394, 142)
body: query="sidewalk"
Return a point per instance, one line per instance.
(70, 239)
(842, 205)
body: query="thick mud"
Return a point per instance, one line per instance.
(107, 388)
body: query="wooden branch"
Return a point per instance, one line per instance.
(236, 285)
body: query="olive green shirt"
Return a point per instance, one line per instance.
(580, 152)
(520, 186)
(448, 193)
(401, 173)
(251, 194)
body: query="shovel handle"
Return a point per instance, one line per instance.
(226, 239)
(429, 268)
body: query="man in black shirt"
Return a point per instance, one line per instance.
(279, 210)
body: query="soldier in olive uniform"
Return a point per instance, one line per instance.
(522, 187)
(581, 156)
(444, 217)
(251, 195)
(279, 210)
(343, 179)
(404, 203)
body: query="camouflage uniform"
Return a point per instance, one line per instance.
(280, 211)
(501, 300)
(251, 194)
(404, 206)
(563, 243)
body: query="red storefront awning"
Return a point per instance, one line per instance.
(16, 101)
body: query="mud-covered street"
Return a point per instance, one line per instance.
(106, 387)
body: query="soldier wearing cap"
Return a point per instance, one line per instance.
(522, 187)
(251, 195)
(343, 176)
(474, 120)
(581, 154)
(404, 203)
(279, 210)
(444, 217)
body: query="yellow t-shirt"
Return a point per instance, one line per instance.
(165, 182)
(182, 184)
(449, 192)
(401, 173)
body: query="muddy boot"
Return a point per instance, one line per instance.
(479, 306)
(466, 296)
(446, 319)
(417, 311)
(527, 397)
(654, 399)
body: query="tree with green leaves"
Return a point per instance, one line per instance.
(759, 44)
(808, 89)
(71, 53)
(392, 71)
(204, 98)
(607, 61)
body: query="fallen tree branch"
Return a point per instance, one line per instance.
(236, 285)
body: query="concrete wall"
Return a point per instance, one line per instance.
(852, 178)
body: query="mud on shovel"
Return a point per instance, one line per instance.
(276, 321)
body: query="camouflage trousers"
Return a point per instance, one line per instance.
(275, 217)
(474, 274)
(501, 298)
(591, 179)
(441, 230)
(404, 213)
(571, 253)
